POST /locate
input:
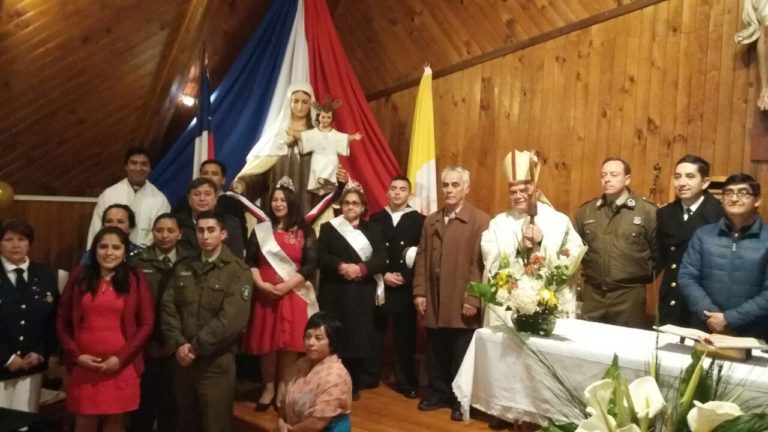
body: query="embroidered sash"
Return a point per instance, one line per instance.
(276, 257)
(362, 246)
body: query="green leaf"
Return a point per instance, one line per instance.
(554, 427)
(745, 423)
(704, 391)
(613, 371)
(484, 291)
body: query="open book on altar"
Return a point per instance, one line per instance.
(715, 340)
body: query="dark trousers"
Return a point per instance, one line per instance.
(158, 401)
(205, 392)
(622, 307)
(445, 352)
(354, 366)
(404, 338)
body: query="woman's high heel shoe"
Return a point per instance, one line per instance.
(261, 407)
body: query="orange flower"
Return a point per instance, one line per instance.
(564, 252)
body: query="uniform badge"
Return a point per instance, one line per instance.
(631, 203)
(245, 292)
(48, 297)
(148, 270)
(637, 220)
(185, 273)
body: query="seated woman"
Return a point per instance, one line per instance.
(28, 297)
(318, 395)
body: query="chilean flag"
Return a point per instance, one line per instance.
(295, 42)
(204, 148)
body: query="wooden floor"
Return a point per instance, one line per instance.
(378, 410)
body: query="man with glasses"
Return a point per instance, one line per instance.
(723, 276)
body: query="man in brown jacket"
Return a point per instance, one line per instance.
(449, 258)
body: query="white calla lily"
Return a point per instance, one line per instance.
(706, 417)
(646, 397)
(598, 395)
(629, 428)
(597, 423)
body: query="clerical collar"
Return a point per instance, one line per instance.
(693, 206)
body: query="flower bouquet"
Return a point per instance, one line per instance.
(614, 405)
(533, 287)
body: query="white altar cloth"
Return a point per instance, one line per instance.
(499, 378)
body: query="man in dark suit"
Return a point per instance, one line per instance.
(216, 171)
(202, 197)
(401, 228)
(677, 221)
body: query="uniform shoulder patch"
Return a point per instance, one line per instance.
(245, 292)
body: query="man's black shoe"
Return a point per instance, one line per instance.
(432, 403)
(499, 424)
(456, 414)
(409, 393)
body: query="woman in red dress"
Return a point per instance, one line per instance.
(282, 254)
(105, 317)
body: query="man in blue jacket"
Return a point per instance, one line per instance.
(723, 276)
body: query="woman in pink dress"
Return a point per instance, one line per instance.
(282, 254)
(105, 317)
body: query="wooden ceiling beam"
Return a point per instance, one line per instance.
(161, 104)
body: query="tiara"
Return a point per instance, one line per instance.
(354, 186)
(285, 182)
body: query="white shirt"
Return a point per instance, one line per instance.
(9, 268)
(396, 215)
(147, 203)
(693, 207)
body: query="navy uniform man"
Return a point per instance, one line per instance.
(205, 310)
(692, 208)
(401, 227)
(620, 230)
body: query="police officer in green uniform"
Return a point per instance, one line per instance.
(158, 402)
(205, 310)
(620, 230)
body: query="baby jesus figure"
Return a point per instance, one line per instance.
(327, 144)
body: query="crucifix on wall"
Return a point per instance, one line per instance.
(755, 29)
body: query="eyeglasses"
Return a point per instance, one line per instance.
(351, 203)
(741, 193)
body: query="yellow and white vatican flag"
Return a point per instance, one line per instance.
(422, 166)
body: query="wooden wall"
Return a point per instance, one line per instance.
(60, 230)
(648, 86)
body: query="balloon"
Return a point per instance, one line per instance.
(6, 195)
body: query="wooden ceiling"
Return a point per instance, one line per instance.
(82, 80)
(388, 42)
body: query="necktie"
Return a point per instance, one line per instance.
(21, 283)
(167, 261)
(688, 213)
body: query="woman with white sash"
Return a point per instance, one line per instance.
(282, 254)
(352, 255)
